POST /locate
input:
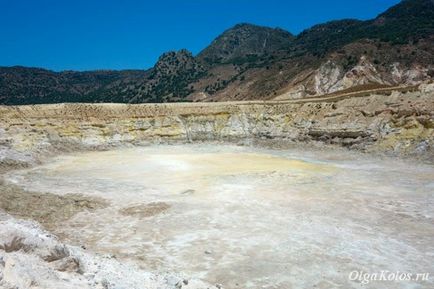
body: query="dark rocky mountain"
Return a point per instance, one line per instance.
(253, 62)
(243, 41)
(170, 78)
(406, 22)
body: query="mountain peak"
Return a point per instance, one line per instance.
(175, 62)
(245, 39)
(410, 8)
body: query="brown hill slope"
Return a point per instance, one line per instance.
(253, 62)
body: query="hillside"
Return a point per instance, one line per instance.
(244, 41)
(252, 62)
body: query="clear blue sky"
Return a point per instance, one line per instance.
(123, 34)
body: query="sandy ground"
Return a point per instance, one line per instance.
(247, 217)
(45, 208)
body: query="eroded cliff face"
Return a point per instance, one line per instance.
(332, 77)
(398, 123)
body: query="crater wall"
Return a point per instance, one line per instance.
(397, 123)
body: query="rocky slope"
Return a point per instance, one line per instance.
(396, 122)
(31, 257)
(245, 40)
(251, 62)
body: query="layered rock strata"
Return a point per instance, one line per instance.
(397, 122)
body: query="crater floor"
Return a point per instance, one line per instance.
(247, 217)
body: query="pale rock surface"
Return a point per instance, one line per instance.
(331, 77)
(357, 121)
(33, 258)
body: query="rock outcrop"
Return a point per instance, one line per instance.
(33, 258)
(397, 122)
